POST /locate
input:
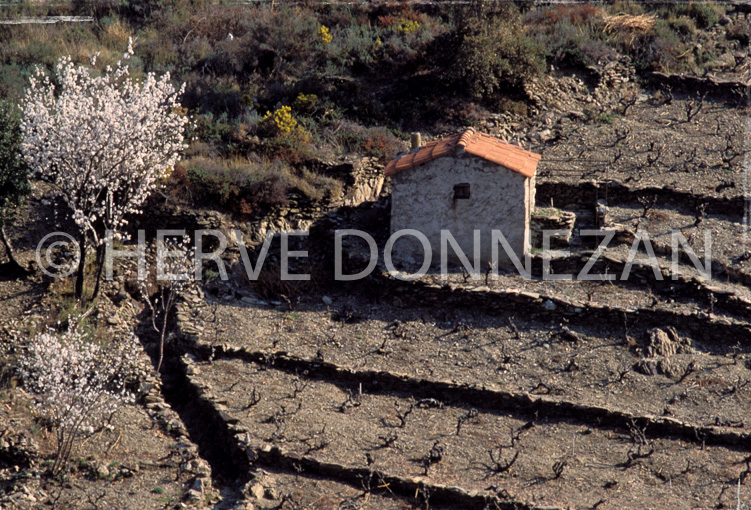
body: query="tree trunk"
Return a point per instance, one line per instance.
(81, 266)
(100, 252)
(12, 268)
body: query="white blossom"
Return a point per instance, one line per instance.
(103, 141)
(76, 382)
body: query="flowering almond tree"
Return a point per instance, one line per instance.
(103, 141)
(77, 383)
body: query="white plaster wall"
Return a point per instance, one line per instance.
(423, 199)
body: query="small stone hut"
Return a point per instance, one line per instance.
(465, 182)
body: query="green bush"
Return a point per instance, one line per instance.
(664, 46)
(213, 130)
(13, 80)
(39, 52)
(571, 35)
(282, 42)
(484, 55)
(14, 182)
(514, 107)
(356, 46)
(564, 44)
(293, 147)
(705, 14)
(197, 176)
(683, 25)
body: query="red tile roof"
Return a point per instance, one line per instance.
(479, 144)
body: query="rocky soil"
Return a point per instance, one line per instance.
(142, 459)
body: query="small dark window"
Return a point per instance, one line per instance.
(461, 190)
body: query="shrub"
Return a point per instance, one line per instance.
(514, 107)
(381, 144)
(740, 31)
(38, 51)
(607, 118)
(44, 44)
(279, 42)
(372, 41)
(596, 50)
(214, 131)
(281, 121)
(317, 187)
(292, 147)
(564, 43)
(324, 35)
(13, 79)
(483, 55)
(569, 33)
(662, 41)
(356, 46)
(407, 42)
(196, 175)
(305, 103)
(663, 49)
(14, 182)
(376, 142)
(77, 383)
(406, 26)
(160, 52)
(654, 43)
(705, 14)
(683, 25)
(266, 41)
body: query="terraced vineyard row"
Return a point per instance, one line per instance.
(457, 394)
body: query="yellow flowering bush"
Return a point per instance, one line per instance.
(282, 119)
(406, 26)
(305, 102)
(324, 34)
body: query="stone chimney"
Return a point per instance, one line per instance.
(416, 140)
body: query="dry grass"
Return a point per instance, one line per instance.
(626, 22)
(44, 44)
(116, 34)
(629, 26)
